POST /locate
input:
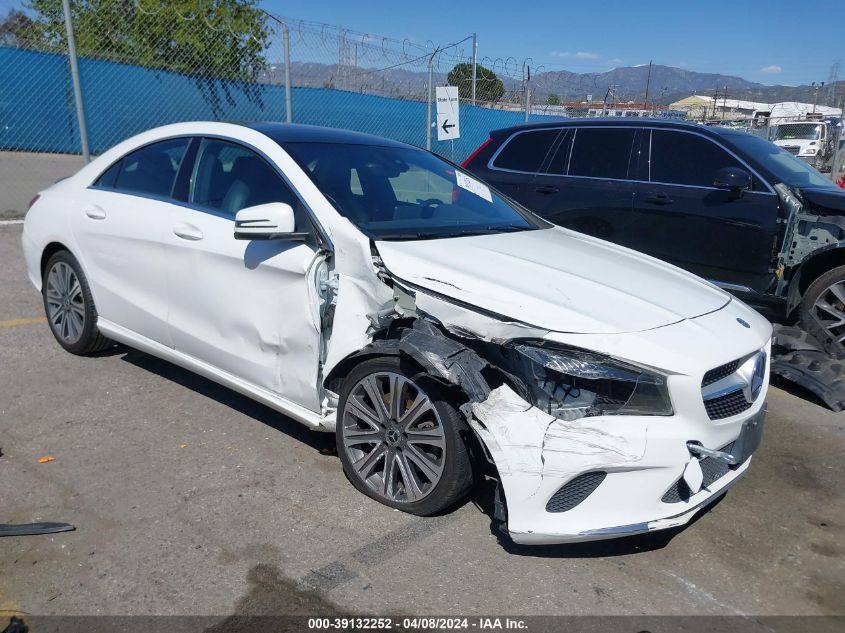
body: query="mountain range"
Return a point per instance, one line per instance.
(667, 84)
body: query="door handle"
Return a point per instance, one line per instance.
(95, 213)
(658, 198)
(546, 189)
(187, 232)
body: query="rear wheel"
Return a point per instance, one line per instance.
(70, 307)
(822, 310)
(400, 438)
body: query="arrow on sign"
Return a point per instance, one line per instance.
(446, 127)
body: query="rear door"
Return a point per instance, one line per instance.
(516, 162)
(120, 230)
(683, 219)
(586, 185)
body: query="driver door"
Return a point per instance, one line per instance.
(247, 308)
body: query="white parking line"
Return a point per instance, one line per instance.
(7, 222)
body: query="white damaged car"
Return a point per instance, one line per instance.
(367, 287)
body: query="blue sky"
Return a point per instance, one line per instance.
(756, 40)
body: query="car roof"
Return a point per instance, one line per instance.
(284, 133)
(618, 122)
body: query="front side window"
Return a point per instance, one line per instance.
(687, 159)
(229, 177)
(602, 152)
(785, 167)
(151, 169)
(405, 193)
(526, 151)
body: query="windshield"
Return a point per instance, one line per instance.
(798, 131)
(786, 168)
(403, 193)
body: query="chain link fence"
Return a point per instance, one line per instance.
(141, 64)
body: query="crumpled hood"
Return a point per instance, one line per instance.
(825, 200)
(554, 279)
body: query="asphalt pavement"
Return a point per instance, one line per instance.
(190, 499)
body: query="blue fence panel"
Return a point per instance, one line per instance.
(37, 108)
(36, 102)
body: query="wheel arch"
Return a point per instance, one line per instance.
(443, 358)
(49, 250)
(811, 269)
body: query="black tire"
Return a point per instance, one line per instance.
(90, 340)
(456, 478)
(807, 312)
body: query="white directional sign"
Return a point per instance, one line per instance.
(448, 120)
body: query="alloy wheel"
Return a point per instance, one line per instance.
(65, 303)
(394, 437)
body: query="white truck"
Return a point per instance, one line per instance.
(811, 141)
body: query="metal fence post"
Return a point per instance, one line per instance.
(288, 100)
(428, 101)
(474, 64)
(77, 87)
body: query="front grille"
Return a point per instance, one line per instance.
(713, 471)
(725, 406)
(792, 149)
(715, 375)
(575, 491)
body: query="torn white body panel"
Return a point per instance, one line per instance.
(642, 458)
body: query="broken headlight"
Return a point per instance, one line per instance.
(572, 383)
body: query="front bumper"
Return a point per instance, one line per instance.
(642, 460)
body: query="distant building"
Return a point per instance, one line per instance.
(702, 107)
(599, 108)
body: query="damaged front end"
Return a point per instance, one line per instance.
(584, 445)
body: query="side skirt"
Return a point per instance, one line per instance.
(299, 413)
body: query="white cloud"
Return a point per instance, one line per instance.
(559, 54)
(771, 70)
(585, 55)
(615, 61)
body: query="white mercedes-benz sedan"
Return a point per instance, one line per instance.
(367, 287)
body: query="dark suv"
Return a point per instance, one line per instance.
(724, 204)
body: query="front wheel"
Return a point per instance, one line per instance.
(400, 439)
(822, 310)
(70, 307)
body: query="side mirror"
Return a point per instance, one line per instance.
(271, 221)
(734, 179)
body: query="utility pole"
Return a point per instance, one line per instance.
(816, 94)
(715, 100)
(647, 82)
(724, 102)
(474, 64)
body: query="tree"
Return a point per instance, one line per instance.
(488, 87)
(220, 39)
(553, 100)
(15, 28)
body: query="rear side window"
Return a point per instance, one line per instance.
(108, 177)
(686, 159)
(526, 151)
(151, 169)
(602, 152)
